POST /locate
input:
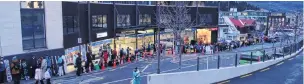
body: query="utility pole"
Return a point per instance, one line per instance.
(78, 25)
(89, 22)
(158, 41)
(0, 47)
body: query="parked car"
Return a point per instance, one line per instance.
(256, 56)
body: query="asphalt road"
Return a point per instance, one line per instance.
(289, 71)
(122, 74)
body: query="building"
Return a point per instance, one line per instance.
(275, 21)
(36, 28)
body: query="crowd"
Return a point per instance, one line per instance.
(43, 68)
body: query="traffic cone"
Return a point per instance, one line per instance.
(122, 60)
(129, 59)
(114, 64)
(103, 66)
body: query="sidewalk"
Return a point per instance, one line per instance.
(73, 73)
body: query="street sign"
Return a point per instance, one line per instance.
(79, 40)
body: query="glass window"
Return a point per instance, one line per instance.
(70, 24)
(123, 20)
(32, 4)
(144, 19)
(205, 19)
(33, 29)
(99, 21)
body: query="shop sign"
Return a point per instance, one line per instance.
(103, 34)
(213, 29)
(79, 40)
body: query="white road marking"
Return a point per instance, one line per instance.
(145, 67)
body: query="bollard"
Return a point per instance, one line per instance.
(218, 62)
(264, 56)
(235, 63)
(197, 64)
(251, 58)
(275, 51)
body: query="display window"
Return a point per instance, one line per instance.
(204, 36)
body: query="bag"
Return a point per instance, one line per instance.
(38, 74)
(47, 75)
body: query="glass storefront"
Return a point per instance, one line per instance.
(204, 36)
(106, 44)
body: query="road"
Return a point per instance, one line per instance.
(122, 74)
(289, 71)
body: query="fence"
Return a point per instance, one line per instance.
(235, 59)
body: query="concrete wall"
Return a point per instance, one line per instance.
(54, 26)
(210, 76)
(10, 29)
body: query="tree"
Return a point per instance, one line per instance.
(175, 18)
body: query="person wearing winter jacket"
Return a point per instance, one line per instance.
(78, 65)
(15, 67)
(2, 70)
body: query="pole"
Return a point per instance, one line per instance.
(251, 58)
(0, 47)
(114, 21)
(197, 68)
(78, 25)
(218, 61)
(89, 20)
(236, 60)
(158, 51)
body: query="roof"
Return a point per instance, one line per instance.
(242, 22)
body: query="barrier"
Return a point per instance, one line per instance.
(212, 75)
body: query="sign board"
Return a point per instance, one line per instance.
(103, 34)
(79, 40)
(121, 35)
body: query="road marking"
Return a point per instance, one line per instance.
(245, 75)
(91, 79)
(227, 81)
(290, 59)
(264, 69)
(145, 67)
(280, 63)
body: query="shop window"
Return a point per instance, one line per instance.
(123, 20)
(33, 29)
(144, 19)
(32, 4)
(205, 19)
(70, 24)
(99, 21)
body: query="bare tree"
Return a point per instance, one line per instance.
(176, 18)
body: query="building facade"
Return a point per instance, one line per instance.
(36, 28)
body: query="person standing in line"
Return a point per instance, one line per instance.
(38, 72)
(15, 67)
(47, 76)
(43, 66)
(2, 70)
(33, 64)
(78, 65)
(60, 66)
(89, 60)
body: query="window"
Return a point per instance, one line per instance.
(144, 19)
(205, 19)
(225, 30)
(33, 29)
(70, 24)
(123, 20)
(32, 4)
(99, 21)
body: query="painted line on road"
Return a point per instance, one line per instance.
(145, 67)
(245, 75)
(280, 63)
(264, 69)
(290, 59)
(227, 81)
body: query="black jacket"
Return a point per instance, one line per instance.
(78, 62)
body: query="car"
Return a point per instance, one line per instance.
(278, 55)
(256, 56)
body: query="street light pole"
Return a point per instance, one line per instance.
(158, 41)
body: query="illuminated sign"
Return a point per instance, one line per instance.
(103, 34)
(213, 29)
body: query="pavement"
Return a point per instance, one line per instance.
(122, 74)
(289, 71)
